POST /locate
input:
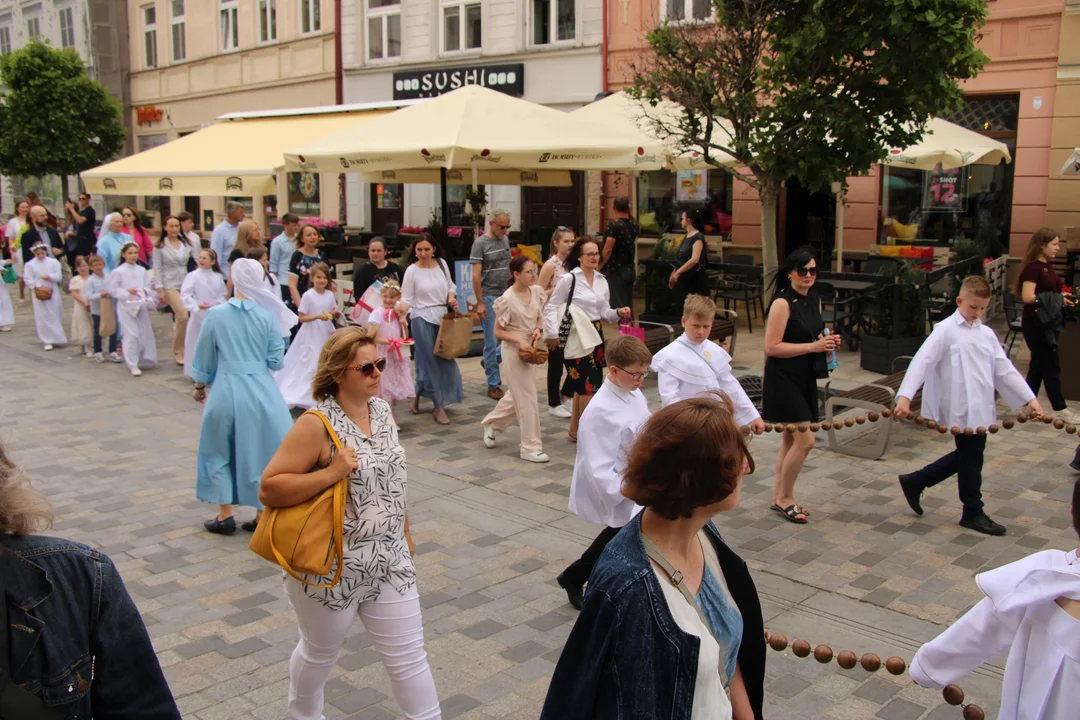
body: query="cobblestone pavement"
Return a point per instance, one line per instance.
(117, 456)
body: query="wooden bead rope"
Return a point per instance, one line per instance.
(919, 420)
(870, 662)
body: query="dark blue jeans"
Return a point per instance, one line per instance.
(97, 336)
(966, 463)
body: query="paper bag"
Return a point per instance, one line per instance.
(107, 325)
(455, 336)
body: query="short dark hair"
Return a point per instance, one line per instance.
(185, 216)
(290, 218)
(573, 258)
(84, 195)
(621, 204)
(1076, 506)
(977, 285)
(688, 455)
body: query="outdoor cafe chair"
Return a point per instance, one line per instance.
(838, 313)
(733, 288)
(1012, 320)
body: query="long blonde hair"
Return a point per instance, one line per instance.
(23, 510)
(243, 237)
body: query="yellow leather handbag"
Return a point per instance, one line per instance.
(307, 538)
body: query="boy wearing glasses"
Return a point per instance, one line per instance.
(605, 435)
(490, 260)
(694, 364)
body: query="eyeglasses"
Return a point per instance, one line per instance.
(368, 369)
(127, 215)
(502, 227)
(638, 376)
(592, 254)
(804, 271)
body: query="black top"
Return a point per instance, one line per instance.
(301, 264)
(686, 251)
(625, 232)
(803, 326)
(368, 274)
(86, 237)
(31, 237)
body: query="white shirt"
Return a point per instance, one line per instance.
(1019, 615)
(426, 291)
(605, 435)
(128, 276)
(13, 227)
(962, 365)
(685, 370)
(595, 301)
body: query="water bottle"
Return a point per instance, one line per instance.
(831, 361)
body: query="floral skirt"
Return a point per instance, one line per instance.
(584, 375)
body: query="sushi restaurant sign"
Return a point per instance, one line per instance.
(413, 84)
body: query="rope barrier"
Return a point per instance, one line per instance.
(919, 420)
(871, 663)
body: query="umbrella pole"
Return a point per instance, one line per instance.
(442, 198)
(839, 190)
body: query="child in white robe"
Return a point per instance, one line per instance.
(318, 308)
(129, 285)
(1032, 611)
(694, 364)
(606, 433)
(43, 274)
(202, 289)
(82, 326)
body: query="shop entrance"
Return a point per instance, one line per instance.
(546, 208)
(387, 208)
(806, 218)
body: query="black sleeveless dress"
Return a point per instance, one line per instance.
(789, 392)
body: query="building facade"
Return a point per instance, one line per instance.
(546, 51)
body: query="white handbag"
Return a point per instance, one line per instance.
(583, 336)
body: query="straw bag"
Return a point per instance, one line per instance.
(43, 293)
(307, 538)
(533, 355)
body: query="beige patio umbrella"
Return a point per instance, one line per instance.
(950, 145)
(432, 176)
(1072, 165)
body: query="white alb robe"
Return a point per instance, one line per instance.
(605, 435)
(133, 312)
(7, 312)
(48, 314)
(685, 370)
(1019, 615)
(199, 286)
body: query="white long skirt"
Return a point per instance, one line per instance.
(7, 312)
(137, 336)
(301, 361)
(49, 318)
(191, 337)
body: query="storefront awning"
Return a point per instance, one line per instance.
(234, 157)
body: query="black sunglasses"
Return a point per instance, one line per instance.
(804, 271)
(368, 369)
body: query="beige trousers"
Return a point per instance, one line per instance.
(519, 401)
(180, 317)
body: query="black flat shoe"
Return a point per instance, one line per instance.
(221, 527)
(575, 595)
(250, 525)
(982, 523)
(912, 493)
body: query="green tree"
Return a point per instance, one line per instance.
(54, 119)
(816, 90)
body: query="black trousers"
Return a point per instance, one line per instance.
(554, 375)
(97, 336)
(578, 572)
(1045, 366)
(621, 286)
(966, 463)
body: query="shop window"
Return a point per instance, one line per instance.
(67, 27)
(988, 115)
(310, 19)
(179, 31)
(553, 21)
(147, 142)
(5, 40)
(662, 196)
(457, 208)
(383, 29)
(267, 21)
(676, 10)
(304, 193)
(149, 14)
(230, 31)
(462, 27)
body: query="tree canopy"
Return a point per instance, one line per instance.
(816, 90)
(54, 119)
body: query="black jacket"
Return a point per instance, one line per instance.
(1050, 313)
(31, 237)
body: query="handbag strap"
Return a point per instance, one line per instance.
(676, 578)
(17, 703)
(570, 297)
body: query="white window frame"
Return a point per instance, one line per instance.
(266, 10)
(228, 15)
(69, 31)
(176, 21)
(33, 15)
(5, 36)
(382, 14)
(688, 9)
(149, 34)
(553, 12)
(462, 6)
(307, 14)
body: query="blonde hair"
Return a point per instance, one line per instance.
(699, 306)
(335, 358)
(243, 237)
(325, 270)
(392, 286)
(627, 351)
(23, 510)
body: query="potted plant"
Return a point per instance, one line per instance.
(895, 322)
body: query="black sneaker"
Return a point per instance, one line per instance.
(250, 525)
(575, 595)
(982, 523)
(1075, 464)
(912, 492)
(221, 527)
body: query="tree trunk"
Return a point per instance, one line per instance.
(63, 195)
(770, 196)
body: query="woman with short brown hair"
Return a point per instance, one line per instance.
(637, 629)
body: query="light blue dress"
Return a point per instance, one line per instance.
(245, 418)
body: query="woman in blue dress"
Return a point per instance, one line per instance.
(245, 418)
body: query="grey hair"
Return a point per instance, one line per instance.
(499, 212)
(232, 206)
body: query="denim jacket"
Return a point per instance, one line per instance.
(75, 637)
(626, 658)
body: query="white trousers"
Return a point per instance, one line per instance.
(397, 633)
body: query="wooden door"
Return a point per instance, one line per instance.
(545, 208)
(387, 207)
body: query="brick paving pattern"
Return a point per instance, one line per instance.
(117, 456)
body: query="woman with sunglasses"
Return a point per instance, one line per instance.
(795, 348)
(691, 276)
(378, 580)
(133, 227)
(246, 418)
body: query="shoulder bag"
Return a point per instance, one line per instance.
(308, 537)
(580, 336)
(567, 322)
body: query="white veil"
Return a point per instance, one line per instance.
(247, 278)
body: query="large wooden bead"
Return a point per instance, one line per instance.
(778, 642)
(919, 420)
(1008, 423)
(931, 424)
(993, 429)
(896, 665)
(953, 694)
(779, 427)
(814, 427)
(872, 417)
(846, 659)
(823, 654)
(1071, 429)
(791, 427)
(801, 648)
(974, 712)
(768, 427)
(803, 427)
(955, 430)
(849, 422)
(1059, 423)
(870, 662)
(860, 419)
(826, 426)
(969, 431)
(886, 412)
(1021, 418)
(942, 429)
(980, 430)
(1047, 419)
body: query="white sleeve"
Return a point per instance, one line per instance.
(607, 313)
(1008, 381)
(554, 306)
(115, 285)
(187, 293)
(980, 635)
(30, 275)
(745, 412)
(601, 466)
(408, 287)
(923, 362)
(669, 387)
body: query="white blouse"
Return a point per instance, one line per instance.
(426, 290)
(594, 300)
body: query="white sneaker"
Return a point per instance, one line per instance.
(559, 411)
(535, 457)
(136, 372)
(98, 357)
(48, 347)
(88, 353)
(489, 435)
(1068, 415)
(6, 328)
(115, 357)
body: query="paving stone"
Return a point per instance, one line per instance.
(244, 647)
(483, 629)
(255, 600)
(788, 686)
(902, 710)
(525, 651)
(199, 647)
(877, 690)
(456, 705)
(357, 700)
(247, 616)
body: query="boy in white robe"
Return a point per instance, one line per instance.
(962, 364)
(44, 272)
(1032, 611)
(606, 433)
(694, 364)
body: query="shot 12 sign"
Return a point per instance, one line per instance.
(509, 79)
(945, 190)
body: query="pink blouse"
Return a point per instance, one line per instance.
(560, 270)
